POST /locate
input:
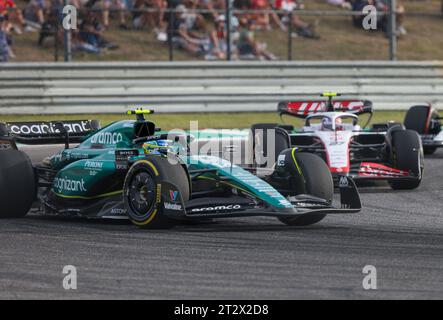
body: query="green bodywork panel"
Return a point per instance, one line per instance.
(86, 172)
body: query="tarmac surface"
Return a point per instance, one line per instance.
(399, 233)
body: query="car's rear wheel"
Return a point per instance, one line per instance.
(263, 143)
(17, 184)
(423, 120)
(142, 191)
(308, 174)
(407, 155)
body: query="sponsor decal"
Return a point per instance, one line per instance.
(306, 107)
(218, 208)
(75, 156)
(377, 170)
(309, 205)
(281, 160)
(173, 195)
(66, 184)
(109, 138)
(121, 158)
(172, 206)
(159, 193)
(42, 128)
(118, 211)
(343, 182)
(93, 165)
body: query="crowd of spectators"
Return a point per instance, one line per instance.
(196, 26)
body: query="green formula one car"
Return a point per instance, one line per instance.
(130, 169)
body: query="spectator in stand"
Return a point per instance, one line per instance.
(383, 5)
(357, 6)
(48, 29)
(4, 46)
(185, 35)
(118, 5)
(38, 7)
(345, 4)
(140, 19)
(219, 39)
(153, 20)
(247, 46)
(91, 32)
(105, 6)
(212, 6)
(13, 15)
(193, 20)
(302, 28)
(262, 20)
(243, 5)
(80, 45)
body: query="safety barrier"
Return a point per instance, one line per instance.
(48, 88)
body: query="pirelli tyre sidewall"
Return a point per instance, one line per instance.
(311, 176)
(142, 191)
(17, 184)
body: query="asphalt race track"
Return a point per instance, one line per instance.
(400, 233)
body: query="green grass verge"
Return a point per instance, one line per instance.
(206, 120)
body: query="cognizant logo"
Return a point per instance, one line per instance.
(65, 184)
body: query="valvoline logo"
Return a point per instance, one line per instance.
(173, 195)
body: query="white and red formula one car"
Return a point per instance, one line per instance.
(331, 130)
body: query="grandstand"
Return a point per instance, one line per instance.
(134, 30)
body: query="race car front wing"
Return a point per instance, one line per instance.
(236, 206)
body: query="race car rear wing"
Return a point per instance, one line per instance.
(52, 132)
(302, 109)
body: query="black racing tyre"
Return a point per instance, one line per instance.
(17, 184)
(417, 119)
(424, 120)
(310, 174)
(261, 141)
(142, 195)
(407, 155)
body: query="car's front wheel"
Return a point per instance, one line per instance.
(407, 155)
(142, 191)
(308, 174)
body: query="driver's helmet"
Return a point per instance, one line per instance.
(339, 124)
(157, 147)
(326, 124)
